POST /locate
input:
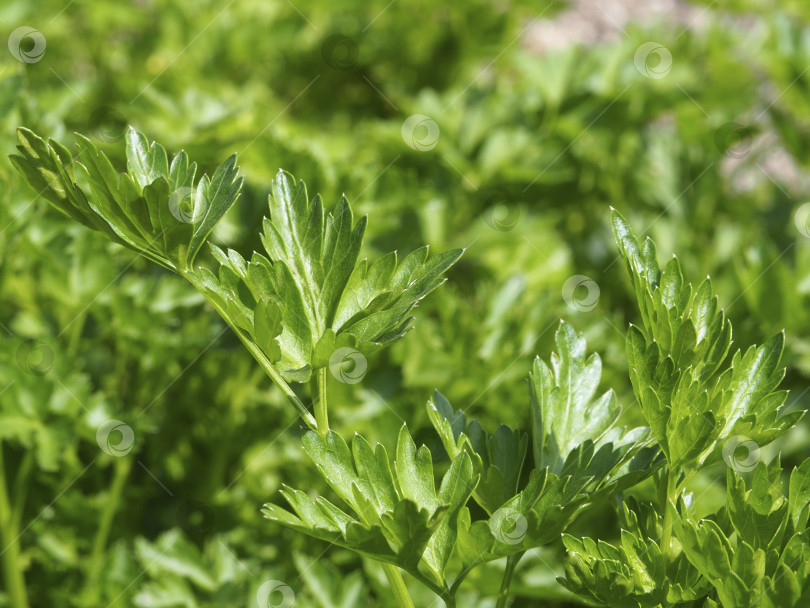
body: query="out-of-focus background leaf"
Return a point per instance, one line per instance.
(505, 127)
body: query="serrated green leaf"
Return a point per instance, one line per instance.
(692, 403)
(396, 506)
(330, 301)
(498, 459)
(143, 208)
(634, 573)
(565, 409)
(457, 486)
(753, 563)
(799, 496)
(415, 472)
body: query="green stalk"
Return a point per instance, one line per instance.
(15, 582)
(321, 415)
(76, 332)
(446, 594)
(122, 469)
(670, 492)
(462, 575)
(397, 586)
(257, 353)
(20, 489)
(503, 594)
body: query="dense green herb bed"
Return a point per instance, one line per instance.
(139, 438)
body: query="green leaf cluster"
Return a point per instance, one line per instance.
(310, 295)
(392, 514)
(520, 160)
(753, 551)
(398, 517)
(756, 551)
(591, 463)
(693, 399)
(155, 208)
(308, 298)
(634, 573)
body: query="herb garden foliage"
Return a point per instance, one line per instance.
(753, 551)
(309, 296)
(400, 517)
(692, 397)
(707, 158)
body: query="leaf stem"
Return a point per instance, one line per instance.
(397, 586)
(12, 565)
(462, 575)
(75, 335)
(122, 468)
(446, 594)
(19, 491)
(669, 482)
(257, 353)
(503, 594)
(321, 413)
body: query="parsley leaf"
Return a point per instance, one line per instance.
(327, 298)
(396, 515)
(761, 557)
(155, 208)
(565, 409)
(498, 458)
(693, 400)
(574, 465)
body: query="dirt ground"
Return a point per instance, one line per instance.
(588, 21)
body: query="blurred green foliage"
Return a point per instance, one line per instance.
(522, 153)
